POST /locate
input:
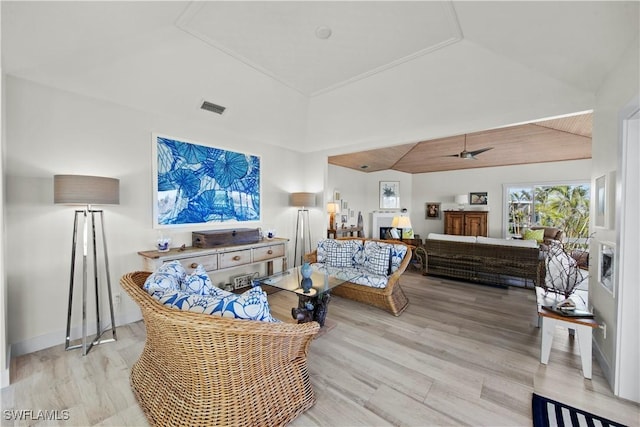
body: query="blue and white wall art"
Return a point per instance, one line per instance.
(197, 185)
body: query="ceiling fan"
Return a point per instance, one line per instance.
(464, 154)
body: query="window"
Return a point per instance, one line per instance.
(561, 205)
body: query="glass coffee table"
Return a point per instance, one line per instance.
(312, 302)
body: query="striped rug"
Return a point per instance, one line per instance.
(549, 413)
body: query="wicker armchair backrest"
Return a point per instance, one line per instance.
(198, 369)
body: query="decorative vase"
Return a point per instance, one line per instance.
(306, 270)
(163, 244)
(306, 284)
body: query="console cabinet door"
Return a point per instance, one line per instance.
(454, 223)
(475, 224)
(461, 223)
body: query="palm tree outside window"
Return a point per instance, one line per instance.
(563, 205)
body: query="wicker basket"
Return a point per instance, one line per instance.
(202, 370)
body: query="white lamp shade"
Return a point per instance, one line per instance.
(86, 190)
(462, 199)
(303, 199)
(401, 222)
(333, 207)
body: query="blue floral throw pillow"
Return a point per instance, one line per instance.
(251, 305)
(166, 278)
(397, 256)
(199, 283)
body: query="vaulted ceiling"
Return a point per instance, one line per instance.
(388, 73)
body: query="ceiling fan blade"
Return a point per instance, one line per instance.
(476, 152)
(452, 155)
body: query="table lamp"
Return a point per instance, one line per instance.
(462, 200)
(401, 222)
(332, 208)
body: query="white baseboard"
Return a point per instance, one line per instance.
(57, 338)
(604, 365)
(5, 373)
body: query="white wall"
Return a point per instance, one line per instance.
(50, 132)
(361, 191)
(443, 186)
(616, 92)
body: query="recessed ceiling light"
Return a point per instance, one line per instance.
(323, 32)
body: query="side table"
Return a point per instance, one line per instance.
(339, 232)
(583, 327)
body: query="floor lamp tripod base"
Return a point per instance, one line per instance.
(85, 344)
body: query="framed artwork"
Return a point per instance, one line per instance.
(478, 198)
(606, 259)
(432, 210)
(389, 194)
(601, 201)
(196, 184)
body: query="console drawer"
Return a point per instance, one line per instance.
(231, 259)
(209, 262)
(268, 252)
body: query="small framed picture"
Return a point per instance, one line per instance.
(432, 210)
(601, 201)
(389, 194)
(606, 255)
(478, 198)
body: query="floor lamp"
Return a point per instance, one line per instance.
(87, 191)
(302, 201)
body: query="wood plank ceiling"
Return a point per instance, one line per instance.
(546, 141)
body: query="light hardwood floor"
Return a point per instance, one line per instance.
(461, 354)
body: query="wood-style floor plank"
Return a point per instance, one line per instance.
(461, 354)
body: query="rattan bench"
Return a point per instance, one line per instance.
(390, 298)
(202, 370)
(484, 263)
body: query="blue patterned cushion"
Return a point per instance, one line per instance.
(397, 256)
(199, 283)
(251, 305)
(324, 246)
(341, 253)
(358, 275)
(166, 278)
(377, 257)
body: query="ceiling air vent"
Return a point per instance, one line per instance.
(209, 106)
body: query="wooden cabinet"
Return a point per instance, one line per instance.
(466, 223)
(221, 257)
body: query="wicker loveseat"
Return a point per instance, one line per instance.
(484, 260)
(202, 370)
(389, 295)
